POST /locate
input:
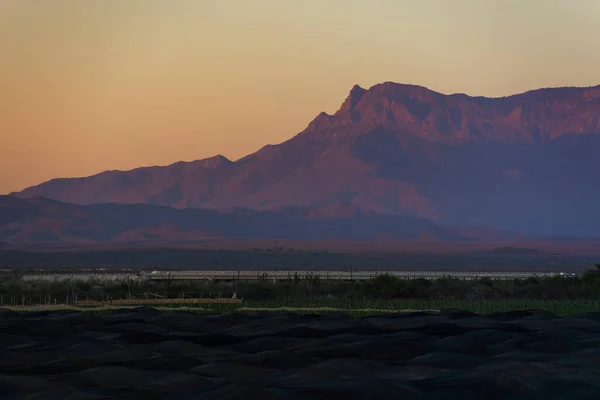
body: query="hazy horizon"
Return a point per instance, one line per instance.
(118, 85)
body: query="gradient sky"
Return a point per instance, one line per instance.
(115, 84)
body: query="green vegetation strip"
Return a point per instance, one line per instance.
(362, 307)
(559, 307)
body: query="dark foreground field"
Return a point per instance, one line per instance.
(146, 354)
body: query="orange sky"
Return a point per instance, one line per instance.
(110, 84)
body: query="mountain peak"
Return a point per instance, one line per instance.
(356, 94)
(356, 89)
(396, 86)
(215, 162)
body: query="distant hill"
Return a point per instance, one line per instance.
(516, 252)
(527, 162)
(41, 220)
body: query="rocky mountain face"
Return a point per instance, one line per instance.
(527, 162)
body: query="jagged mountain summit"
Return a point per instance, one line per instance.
(526, 162)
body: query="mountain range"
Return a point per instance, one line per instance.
(394, 154)
(41, 220)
